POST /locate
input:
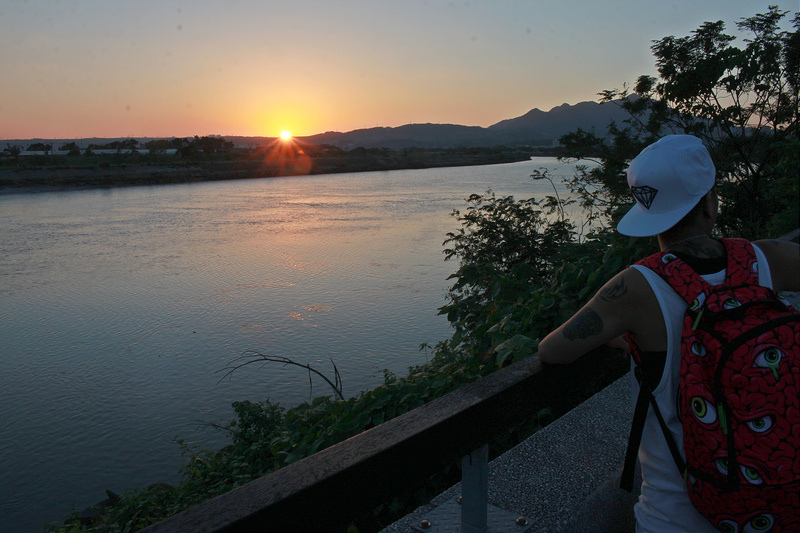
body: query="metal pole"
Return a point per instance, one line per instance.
(475, 491)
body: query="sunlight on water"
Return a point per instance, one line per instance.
(121, 307)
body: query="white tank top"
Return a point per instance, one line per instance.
(664, 504)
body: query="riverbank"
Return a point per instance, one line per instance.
(65, 173)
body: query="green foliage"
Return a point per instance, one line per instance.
(522, 272)
(504, 247)
(128, 146)
(743, 102)
(786, 189)
(40, 147)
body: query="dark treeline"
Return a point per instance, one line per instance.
(129, 162)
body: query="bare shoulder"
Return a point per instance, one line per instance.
(630, 300)
(621, 305)
(629, 285)
(784, 263)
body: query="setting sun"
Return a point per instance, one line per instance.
(286, 135)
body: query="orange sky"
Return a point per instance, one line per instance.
(95, 68)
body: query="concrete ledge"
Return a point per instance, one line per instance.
(565, 477)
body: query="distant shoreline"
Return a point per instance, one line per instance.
(25, 181)
(51, 179)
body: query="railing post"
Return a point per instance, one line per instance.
(475, 491)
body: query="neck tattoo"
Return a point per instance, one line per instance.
(687, 239)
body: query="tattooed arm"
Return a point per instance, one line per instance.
(625, 303)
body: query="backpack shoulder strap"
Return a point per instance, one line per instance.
(690, 286)
(680, 276)
(742, 264)
(644, 401)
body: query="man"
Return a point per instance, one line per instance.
(673, 183)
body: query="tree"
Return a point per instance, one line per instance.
(71, 148)
(131, 145)
(524, 268)
(158, 146)
(212, 144)
(40, 147)
(505, 249)
(742, 102)
(13, 150)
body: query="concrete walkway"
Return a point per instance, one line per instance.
(565, 477)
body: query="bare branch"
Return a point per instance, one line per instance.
(250, 357)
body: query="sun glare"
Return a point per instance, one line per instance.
(286, 135)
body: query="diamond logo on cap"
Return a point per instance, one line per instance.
(644, 195)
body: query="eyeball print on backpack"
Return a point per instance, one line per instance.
(739, 395)
(760, 404)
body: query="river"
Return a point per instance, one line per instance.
(119, 308)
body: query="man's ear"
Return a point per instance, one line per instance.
(710, 204)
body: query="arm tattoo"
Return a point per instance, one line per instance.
(612, 292)
(583, 325)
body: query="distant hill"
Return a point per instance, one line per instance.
(408, 136)
(534, 128)
(537, 124)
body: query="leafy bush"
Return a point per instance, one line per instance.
(505, 248)
(744, 103)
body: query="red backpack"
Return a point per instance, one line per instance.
(738, 396)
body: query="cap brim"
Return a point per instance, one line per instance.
(638, 222)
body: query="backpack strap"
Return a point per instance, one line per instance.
(692, 288)
(742, 264)
(639, 417)
(635, 438)
(741, 269)
(644, 400)
(680, 276)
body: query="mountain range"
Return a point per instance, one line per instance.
(534, 128)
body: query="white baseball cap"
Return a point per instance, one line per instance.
(667, 180)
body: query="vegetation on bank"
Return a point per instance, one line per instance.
(524, 267)
(213, 158)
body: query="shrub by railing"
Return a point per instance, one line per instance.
(325, 491)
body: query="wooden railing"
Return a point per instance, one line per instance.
(331, 487)
(346, 480)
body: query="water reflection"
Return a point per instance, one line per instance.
(118, 309)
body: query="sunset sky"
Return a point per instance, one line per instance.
(107, 68)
